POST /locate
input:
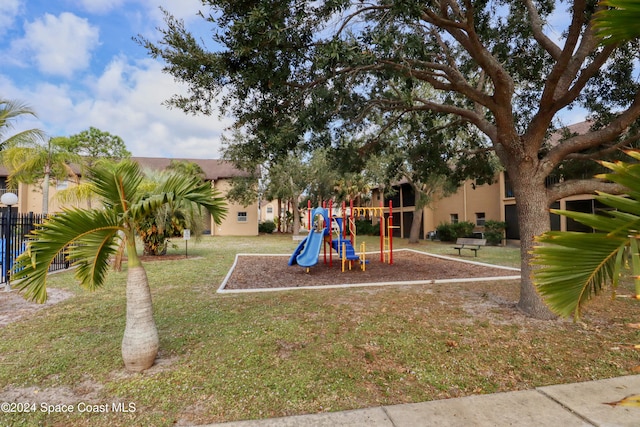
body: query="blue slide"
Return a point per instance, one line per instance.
(306, 254)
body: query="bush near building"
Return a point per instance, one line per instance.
(494, 231)
(449, 232)
(267, 227)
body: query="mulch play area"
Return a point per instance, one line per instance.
(268, 272)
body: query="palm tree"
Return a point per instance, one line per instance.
(619, 21)
(38, 163)
(575, 266)
(92, 237)
(10, 111)
(169, 221)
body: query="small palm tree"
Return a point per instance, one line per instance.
(575, 266)
(9, 112)
(34, 162)
(619, 21)
(170, 220)
(92, 237)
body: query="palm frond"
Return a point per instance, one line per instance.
(24, 163)
(28, 162)
(202, 194)
(574, 267)
(9, 111)
(615, 223)
(185, 192)
(76, 194)
(620, 202)
(626, 174)
(25, 137)
(117, 184)
(619, 22)
(90, 236)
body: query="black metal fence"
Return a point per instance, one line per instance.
(14, 229)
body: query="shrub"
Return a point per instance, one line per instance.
(375, 230)
(445, 232)
(365, 228)
(267, 227)
(494, 231)
(463, 229)
(448, 232)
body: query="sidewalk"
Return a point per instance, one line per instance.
(567, 405)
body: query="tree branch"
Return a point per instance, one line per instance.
(565, 56)
(428, 105)
(569, 92)
(351, 16)
(581, 186)
(593, 139)
(605, 151)
(538, 33)
(465, 34)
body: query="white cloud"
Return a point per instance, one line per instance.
(126, 100)
(100, 6)
(9, 91)
(125, 97)
(59, 45)
(181, 9)
(111, 85)
(9, 10)
(151, 128)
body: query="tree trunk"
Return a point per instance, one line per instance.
(279, 215)
(416, 225)
(45, 194)
(533, 220)
(140, 343)
(289, 227)
(296, 216)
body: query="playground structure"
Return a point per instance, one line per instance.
(329, 233)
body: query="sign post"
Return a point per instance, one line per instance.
(186, 235)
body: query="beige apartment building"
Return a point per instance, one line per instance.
(240, 220)
(477, 204)
(480, 203)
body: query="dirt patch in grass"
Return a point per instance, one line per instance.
(13, 306)
(257, 272)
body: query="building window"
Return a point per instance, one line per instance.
(62, 185)
(454, 218)
(480, 219)
(269, 209)
(508, 187)
(242, 217)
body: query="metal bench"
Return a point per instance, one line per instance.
(471, 244)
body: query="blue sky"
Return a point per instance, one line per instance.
(75, 64)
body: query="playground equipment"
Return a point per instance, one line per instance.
(329, 231)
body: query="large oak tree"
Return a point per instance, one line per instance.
(508, 67)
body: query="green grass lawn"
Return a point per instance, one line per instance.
(227, 357)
